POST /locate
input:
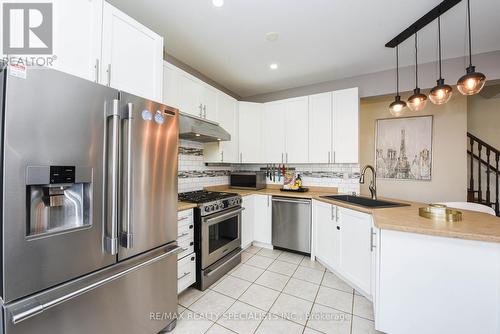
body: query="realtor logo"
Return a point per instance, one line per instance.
(27, 28)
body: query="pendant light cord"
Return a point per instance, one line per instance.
(397, 70)
(468, 24)
(416, 61)
(439, 41)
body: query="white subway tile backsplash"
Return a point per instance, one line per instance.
(195, 175)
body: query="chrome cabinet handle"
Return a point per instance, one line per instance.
(332, 214)
(329, 154)
(183, 218)
(184, 275)
(241, 157)
(337, 214)
(372, 239)
(204, 111)
(282, 159)
(112, 140)
(201, 110)
(286, 155)
(334, 157)
(182, 235)
(109, 74)
(22, 313)
(222, 156)
(96, 66)
(127, 232)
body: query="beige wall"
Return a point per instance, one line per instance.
(483, 117)
(449, 172)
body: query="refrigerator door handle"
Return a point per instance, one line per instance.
(127, 229)
(29, 308)
(111, 181)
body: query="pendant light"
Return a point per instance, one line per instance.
(441, 93)
(417, 101)
(473, 81)
(397, 107)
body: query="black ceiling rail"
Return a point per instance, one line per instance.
(422, 22)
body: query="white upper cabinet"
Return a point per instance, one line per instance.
(77, 37)
(227, 117)
(132, 55)
(273, 132)
(196, 97)
(250, 132)
(346, 125)
(190, 92)
(320, 128)
(297, 130)
(209, 100)
(170, 93)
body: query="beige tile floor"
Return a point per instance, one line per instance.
(275, 292)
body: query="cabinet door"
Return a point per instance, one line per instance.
(170, 85)
(227, 116)
(297, 130)
(325, 234)
(250, 132)
(132, 55)
(262, 228)
(346, 125)
(273, 127)
(190, 91)
(320, 128)
(77, 37)
(355, 248)
(247, 220)
(209, 100)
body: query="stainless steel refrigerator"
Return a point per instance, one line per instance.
(88, 207)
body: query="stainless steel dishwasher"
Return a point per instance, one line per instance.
(292, 223)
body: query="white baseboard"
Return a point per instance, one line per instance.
(262, 245)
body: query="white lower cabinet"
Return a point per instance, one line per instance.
(247, 221)
(344, 242)
(263, 220)
(355, 240)
(186, 260)
(326, 235)
(186, 272)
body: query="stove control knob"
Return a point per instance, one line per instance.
(206, 208)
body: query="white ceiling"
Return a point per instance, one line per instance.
(319, 40)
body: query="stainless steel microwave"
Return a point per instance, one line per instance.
(248, 180)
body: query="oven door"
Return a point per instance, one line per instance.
(221, 234)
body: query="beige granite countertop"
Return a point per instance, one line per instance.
(474, 225)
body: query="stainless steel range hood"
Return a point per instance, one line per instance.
(201, 130)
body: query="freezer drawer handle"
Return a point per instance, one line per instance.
(183, 235)
(23, 314)
(183, 275)
(127, 229)
(111, 173)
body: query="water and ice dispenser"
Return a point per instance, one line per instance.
(59, 199)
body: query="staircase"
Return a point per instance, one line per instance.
(483, 173)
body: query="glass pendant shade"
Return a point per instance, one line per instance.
(397, 107)
(441, 93)
(417, 101)
(472, 82)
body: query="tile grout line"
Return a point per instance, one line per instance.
(316, 297)
(352, 310)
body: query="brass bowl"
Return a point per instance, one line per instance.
(440, 212)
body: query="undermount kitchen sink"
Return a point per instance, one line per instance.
(365, 201)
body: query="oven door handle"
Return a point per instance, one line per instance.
(211, 272)
(223, 216)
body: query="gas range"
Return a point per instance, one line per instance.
(210, 202)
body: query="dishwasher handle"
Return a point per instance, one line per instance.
(290, 200)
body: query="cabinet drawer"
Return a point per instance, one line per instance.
(188, 245)
(185, 232)
(185, 218)
(186, 272)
